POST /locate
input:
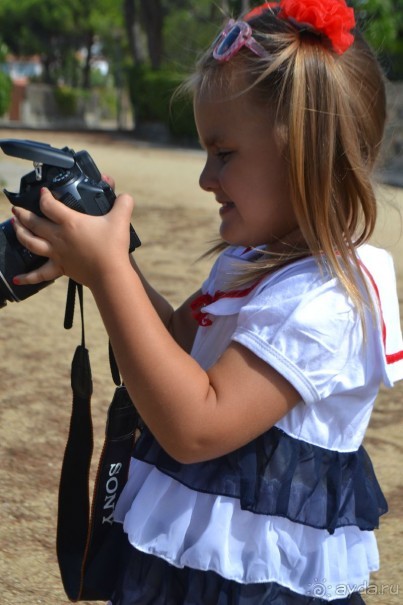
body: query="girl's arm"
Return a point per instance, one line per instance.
(179, 322)
(194, 414)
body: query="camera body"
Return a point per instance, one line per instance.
(74, 179)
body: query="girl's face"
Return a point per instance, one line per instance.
(246, 171)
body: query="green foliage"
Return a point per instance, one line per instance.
(69, 100)
(73, 102)
(182, 125)
(29, 25)
(381, 22)
(56, 30)
(107, 102)
(186, 34)
(3, 51)
(5, 92)
(152, 93)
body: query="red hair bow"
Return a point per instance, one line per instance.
(330, 18)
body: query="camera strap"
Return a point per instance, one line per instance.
(89, 543)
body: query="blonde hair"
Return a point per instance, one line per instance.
(331, 110)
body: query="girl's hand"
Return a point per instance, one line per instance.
(77, 245)
(108, 179)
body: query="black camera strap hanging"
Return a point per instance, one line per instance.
(89, 544)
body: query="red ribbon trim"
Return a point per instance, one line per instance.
(207, 299)
(392, 357)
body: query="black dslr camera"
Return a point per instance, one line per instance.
(73, 179)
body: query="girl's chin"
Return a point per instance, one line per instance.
(232, 240)
(233, 234)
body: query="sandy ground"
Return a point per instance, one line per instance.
(175, 221)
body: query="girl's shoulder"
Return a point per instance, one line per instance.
(305, 298)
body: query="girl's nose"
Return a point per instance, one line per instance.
(208, 177)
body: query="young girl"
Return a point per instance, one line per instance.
(250, 485)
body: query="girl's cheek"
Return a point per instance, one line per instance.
(226, 177)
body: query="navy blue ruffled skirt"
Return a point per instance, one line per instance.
(149, 580)
(279, 475)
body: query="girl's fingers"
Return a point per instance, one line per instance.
(108, 179)
(47, 272)
(53, 209)
(125, 204)
(77, 245)
(27, 238)
(58, 213)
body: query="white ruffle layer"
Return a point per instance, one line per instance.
(202, 531)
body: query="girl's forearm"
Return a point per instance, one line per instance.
(179, 322)
(160, 376)
(160, 304)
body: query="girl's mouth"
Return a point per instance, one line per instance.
(226, 207)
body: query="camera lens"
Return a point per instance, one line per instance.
(15, 259)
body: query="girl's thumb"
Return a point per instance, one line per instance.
(124, 203)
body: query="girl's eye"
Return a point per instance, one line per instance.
(224, 155)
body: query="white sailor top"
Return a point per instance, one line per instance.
(297, 505)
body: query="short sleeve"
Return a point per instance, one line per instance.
(306, 327)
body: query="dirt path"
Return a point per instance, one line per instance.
(175, 221)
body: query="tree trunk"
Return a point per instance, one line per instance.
(153, 21)
(133, 31)
(46, 64)
(87, 64)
